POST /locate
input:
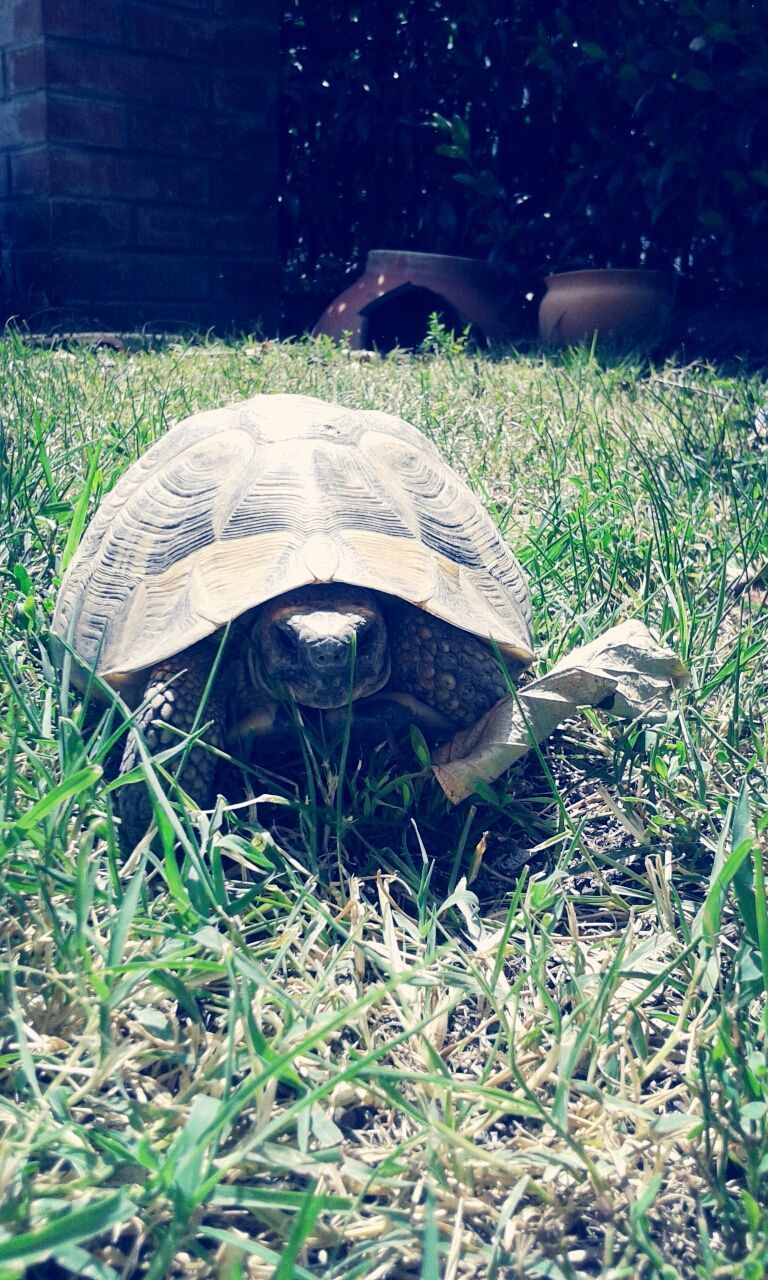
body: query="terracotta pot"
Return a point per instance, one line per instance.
(631, 308)
(401, 289)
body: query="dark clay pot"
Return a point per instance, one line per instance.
(389, 303)
(628, 307)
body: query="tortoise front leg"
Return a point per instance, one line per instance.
(449, 670)
(169, 710)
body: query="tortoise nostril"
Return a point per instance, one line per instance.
(330, 653)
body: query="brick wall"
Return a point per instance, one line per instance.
(138, 163)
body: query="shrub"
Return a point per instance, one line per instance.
(613, 133)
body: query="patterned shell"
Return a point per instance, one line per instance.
(238, 505)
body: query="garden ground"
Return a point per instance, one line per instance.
(345, 1029)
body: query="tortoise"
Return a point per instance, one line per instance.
(349, 561)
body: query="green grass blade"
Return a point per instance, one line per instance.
(69, 1228)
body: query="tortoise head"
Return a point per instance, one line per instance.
(325, 644)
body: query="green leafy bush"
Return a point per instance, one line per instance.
(614, 133)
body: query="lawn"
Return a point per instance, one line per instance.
(346, 1029)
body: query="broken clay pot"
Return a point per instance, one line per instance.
(390, 303)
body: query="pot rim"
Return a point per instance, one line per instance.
(650, 274)
(414, 258)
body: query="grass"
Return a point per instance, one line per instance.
(346, 1030)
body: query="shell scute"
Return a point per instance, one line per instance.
(235, 506)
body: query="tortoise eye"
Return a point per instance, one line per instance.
(364, 638)
(287, 639)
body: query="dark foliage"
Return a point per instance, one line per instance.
(609, 133)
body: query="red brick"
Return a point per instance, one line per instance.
(90, 223)
(40, 276)
(100, 124)
(184, 4)
(238, 185)
(23, 120)
(30, 172)
(242, 91)
(128, 177)
(249, 276)
(197, 133)
(199, 229)
(266, 13)
(129, 313)
(165, 275)
(91, 310)
(242, 43)
(172, 132)
(26, 68)
(121, 276)
(159, 30)
(205, 39)
(243, 137)
(79, 275)
(134, 198)
(26, 222)
(25, 292)
(20, 20)
(112, 74)
(92, 20)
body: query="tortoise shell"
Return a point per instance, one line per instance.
(235, 506)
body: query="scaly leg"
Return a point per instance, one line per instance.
(451, 671)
